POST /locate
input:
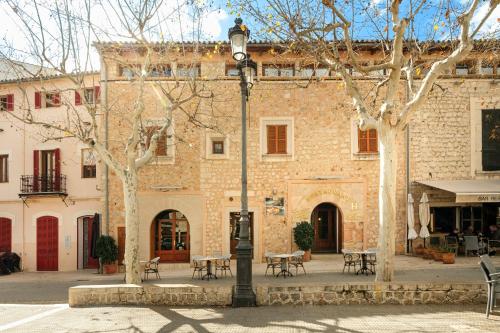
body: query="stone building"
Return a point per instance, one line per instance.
(307, 161)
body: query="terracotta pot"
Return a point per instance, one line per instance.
(448, 258)
(437, 255)
(110, 268)
(419, 251)
(428, 254)
(307, 255)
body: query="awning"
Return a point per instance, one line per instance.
(477, 190)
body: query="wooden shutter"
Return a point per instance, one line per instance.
(281, 139)
(38, 100)
(161, 148)
(78, 98)
(271, 139)
(372, 141)
(5, 234)
(97, 94)
(57, 162)
(36, 169)
(367, 141)
(10, 102)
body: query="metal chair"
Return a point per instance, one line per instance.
(152, 267)
(492, 278)
(199, 265)
(371, 259)
(351, 260)
(297, 260)
(452, 243)
(223, 264)
(471, 245)
(271, 262)
(493, 245)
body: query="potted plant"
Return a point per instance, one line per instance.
(303, 235)
(448, 257)
(107, 251)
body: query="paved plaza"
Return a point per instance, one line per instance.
(346, 319)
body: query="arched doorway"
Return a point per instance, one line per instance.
(327, 221)
(47, 243)
(170, 237)
(5, 234)
(85, 226)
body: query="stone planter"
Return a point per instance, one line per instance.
(448, 258)
(110, 268)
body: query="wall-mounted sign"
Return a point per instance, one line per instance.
(275, 206)
(485, 197)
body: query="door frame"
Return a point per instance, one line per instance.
(338, 229)
(170, 256)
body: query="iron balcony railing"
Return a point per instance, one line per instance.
(43, 184)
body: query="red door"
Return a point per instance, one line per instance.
(89, 261)
(5, 234)
(47, 243)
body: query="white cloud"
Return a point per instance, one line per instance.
(491, 26)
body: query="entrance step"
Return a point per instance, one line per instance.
(173, 266)
(325, 256)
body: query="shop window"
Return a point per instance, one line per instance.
(472, 216)
(367, 141)
(491, 140)
(7, 102)
(4, 168)
(89, 163)
(444, 219)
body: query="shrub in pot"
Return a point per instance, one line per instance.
(303, 235)
(448, 257)
(107, 251)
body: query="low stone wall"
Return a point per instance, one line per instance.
(158, 294)
(372, 293)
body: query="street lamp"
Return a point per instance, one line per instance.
(243, 292)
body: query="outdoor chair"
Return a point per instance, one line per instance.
(471, 245)
(271, 262)
(297, 260)
(492, 278)
(493, 246)
(223, 265)
(351, 260)
(152, 267)
(371, 259)
(199, 266)
(452, 243)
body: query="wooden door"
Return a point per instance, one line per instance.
(5, 234)
(324, 219)
(47, 243)
(88, 260)
(121, 245)
(234, 231)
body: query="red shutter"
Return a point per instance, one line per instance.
(281, 139)
(38, 100)
(36, 170)
(97, 94)
(5, 234)
(271, 139)
(57, 157)
(10, 102)
(78, 98)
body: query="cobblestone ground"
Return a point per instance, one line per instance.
(346, 319)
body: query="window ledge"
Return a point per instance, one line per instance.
(488, 173)
(277, 157)
(365, 156)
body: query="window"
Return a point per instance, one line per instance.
(367, 141)
(88, 163)
(491, 140)
(231, 70)
(90, 96)
(47, 99)
(487, 68)
(464, 68)
(7, 102)
(161, 70)
(309, 71)
(129, 71)
(161, 148)
(218, 147)
(276, 139)
(4, 168)
(192, 70)
(283, 70)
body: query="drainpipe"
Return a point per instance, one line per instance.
(407, 162)
(104, 101)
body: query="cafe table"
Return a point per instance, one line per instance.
(284, 257)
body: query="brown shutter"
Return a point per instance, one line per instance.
(362, 141)
(271, 139)
(372, 141)
(281, 139)
(161, 148)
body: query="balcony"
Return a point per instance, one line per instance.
(43, 186)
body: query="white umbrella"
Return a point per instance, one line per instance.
(412, 234)
(424, 214)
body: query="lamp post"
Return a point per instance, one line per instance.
(243, 295)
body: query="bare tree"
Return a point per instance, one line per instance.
(323, 30)
(60, 37)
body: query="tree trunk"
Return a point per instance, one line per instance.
(132, 267)
(387, 202)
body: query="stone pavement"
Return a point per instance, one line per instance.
(346, 319)
(52, 287)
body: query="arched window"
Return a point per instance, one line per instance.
(170, 237)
